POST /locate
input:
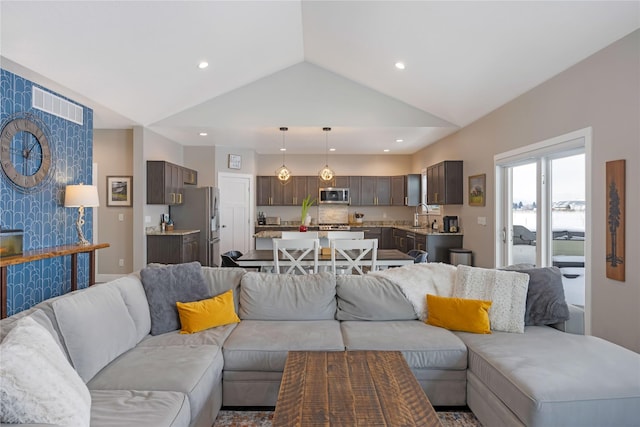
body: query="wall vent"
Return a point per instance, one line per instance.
(53, 104)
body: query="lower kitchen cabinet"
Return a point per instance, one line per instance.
(173, 247)
(438, 245)
(383, 234)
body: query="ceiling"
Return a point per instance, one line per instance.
(302, 64)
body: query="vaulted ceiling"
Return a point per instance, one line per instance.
(302, 64)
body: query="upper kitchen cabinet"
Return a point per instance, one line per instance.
(375, 191)
(405, 190)
(295, 191)
(355, 190)
(189, 176)
(444, 183)
(164, 183)
(270, 191)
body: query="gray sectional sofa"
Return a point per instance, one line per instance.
(543, 377)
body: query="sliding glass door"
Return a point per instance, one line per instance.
(542, 211)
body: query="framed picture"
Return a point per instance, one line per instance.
(616, 218)
(235, 161)
(119, 191)
(477, 189)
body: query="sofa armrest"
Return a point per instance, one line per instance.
(575, 324)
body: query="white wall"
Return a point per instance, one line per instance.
(602, 92)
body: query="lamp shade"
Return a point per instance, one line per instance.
(81, 195)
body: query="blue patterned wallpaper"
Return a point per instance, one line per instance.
(42, 215)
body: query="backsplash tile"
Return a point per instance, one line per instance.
(42, 215)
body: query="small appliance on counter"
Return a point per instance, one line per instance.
(261, 219)
(450, 224)
(272, 220)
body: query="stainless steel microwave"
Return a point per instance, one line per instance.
(331, 195)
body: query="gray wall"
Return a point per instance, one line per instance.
(602, 92)
(113, 152)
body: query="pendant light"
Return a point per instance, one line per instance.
(326, 174)
(283, 173)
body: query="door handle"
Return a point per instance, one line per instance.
(224, 226)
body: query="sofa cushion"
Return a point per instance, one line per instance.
(38, 384)
(167, 284)
(214, 336)
(546, 304)
(369, 297)
(205, 314)
(266, 296)
(551, 378)
(126, 408)
(457, 314)
(135, 299)
(192, 370)
(262, 345)
(96, 327)
(507, 290)
(220, 280)
(423, 346)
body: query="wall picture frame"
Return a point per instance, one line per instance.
(616, 218)
(477, 189)
(235, 161)
(120, 191)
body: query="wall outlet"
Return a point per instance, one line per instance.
(482, 220)
(120, 217)
(147, 219)
(121, 262)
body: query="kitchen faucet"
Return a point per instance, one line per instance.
(416, 215)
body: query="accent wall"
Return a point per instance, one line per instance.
(42, 215)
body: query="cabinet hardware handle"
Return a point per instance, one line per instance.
(406, 200)
(179, 197)
(173, 197)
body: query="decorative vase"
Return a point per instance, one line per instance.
(303, 228)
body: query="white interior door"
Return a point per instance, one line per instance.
(236, 227)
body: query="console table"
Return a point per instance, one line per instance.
(44, 253)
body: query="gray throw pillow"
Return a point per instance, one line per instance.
(546, 303)
(167, 285)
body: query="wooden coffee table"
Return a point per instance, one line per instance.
(351, 388)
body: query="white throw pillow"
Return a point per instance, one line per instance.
(38, 385)
(507, 290)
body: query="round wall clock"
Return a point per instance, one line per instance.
(25, 154)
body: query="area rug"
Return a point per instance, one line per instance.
(263, 419)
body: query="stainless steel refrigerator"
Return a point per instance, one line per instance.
(200, 211)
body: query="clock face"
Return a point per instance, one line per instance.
(25, 154)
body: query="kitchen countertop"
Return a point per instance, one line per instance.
(276, 234)
(171, 233)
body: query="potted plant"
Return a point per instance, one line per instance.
(305, 218)
(358, 216)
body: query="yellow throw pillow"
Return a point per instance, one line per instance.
(208, 313)
(458, 314)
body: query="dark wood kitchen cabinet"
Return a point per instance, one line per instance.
(189, 176)
(438, 245)
(173, 248)
(164, 183)
(444, 183)
(383, 234)
(295, 191)
(269, 191)
(375, 191)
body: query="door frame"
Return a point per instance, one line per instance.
(578, 139)
(252, 200)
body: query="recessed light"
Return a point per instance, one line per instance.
(203, 134)
(400, 65)
(283, 149)
(202, 65)
(386, 150)
(399, 140)
(332, 149)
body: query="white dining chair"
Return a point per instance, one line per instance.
(299, 235)
(345, 235)
(355, 254)
(294, 251)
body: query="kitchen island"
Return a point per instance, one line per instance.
(400, 236)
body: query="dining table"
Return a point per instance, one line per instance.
(263, 258)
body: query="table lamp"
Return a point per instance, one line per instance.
(81, 196)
